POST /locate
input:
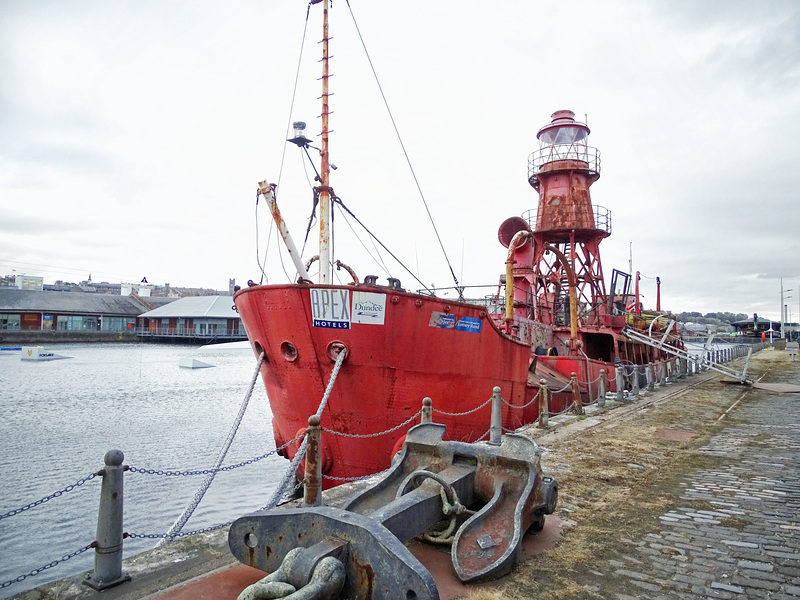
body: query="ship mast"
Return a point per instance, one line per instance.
(324, 188)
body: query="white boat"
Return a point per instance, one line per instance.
(192, 363)
(40, 354)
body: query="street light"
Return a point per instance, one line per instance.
(783, 310)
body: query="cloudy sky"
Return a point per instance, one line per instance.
(133, 135)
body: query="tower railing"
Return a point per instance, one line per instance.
(556, 152)
(602, 218)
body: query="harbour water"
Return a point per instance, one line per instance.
(59, 418)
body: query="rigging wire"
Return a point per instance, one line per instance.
(283, 154)
(379, 260)
(408, 161)
(338, 201)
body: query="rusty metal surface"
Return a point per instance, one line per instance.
(378, 564)
(430, 479)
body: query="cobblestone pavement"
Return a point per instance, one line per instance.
(746, 544)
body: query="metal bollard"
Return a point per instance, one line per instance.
(681, 368)
(635, 381)
(496, 427)
(576, 393)
(427, 411)
(651, 377)
(662, 374)
(696, 365)
(312, 484)
(544, 404)
(620, 383)
(601, 389)
(108, 545)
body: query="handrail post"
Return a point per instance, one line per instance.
(312, 484)
(635, 381)
(620, 383)
(576, 393)
(544, 404)
(601, 389)
(108, 544)
(427, 411)
(496, 426)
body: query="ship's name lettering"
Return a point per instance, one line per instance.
(330, 304)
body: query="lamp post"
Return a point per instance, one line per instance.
(784, 310)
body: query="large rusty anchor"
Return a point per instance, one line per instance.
(357, 551)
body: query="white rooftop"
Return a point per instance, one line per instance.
(219, 307)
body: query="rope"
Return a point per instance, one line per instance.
(301, 452)
(187, 512)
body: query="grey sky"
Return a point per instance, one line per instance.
(132, 136)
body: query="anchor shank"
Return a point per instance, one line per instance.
(417, 511)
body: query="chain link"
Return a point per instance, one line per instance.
(531, 401)
(441, 412)
(372, 435)
(251, 461)
(563, 389)
(50, 565)
(359, 478)
(159, 536)
(69, 488)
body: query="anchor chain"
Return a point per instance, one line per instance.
(327, 580)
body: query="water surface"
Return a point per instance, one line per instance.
(59, 418)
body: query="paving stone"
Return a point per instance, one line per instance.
(647, 586)
(739, 544)
(715, 585)
(755, 566)
(632, 574)
(792, 590)
(755, 583)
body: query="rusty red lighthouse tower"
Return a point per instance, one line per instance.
(557, 272)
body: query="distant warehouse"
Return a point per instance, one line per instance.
(43, 315)
(200, 317)
(26, 310)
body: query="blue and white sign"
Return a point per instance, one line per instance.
(442, 320)
(330, 308)
(368, 307)
(471, 324)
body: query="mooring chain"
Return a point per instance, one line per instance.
(359, 478)
(373, 435)
(158, 536)
(531, 401)
(169, 473)
(50, 565)
(41, 501)
(441, 412)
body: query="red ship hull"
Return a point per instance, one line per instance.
(418, 350)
